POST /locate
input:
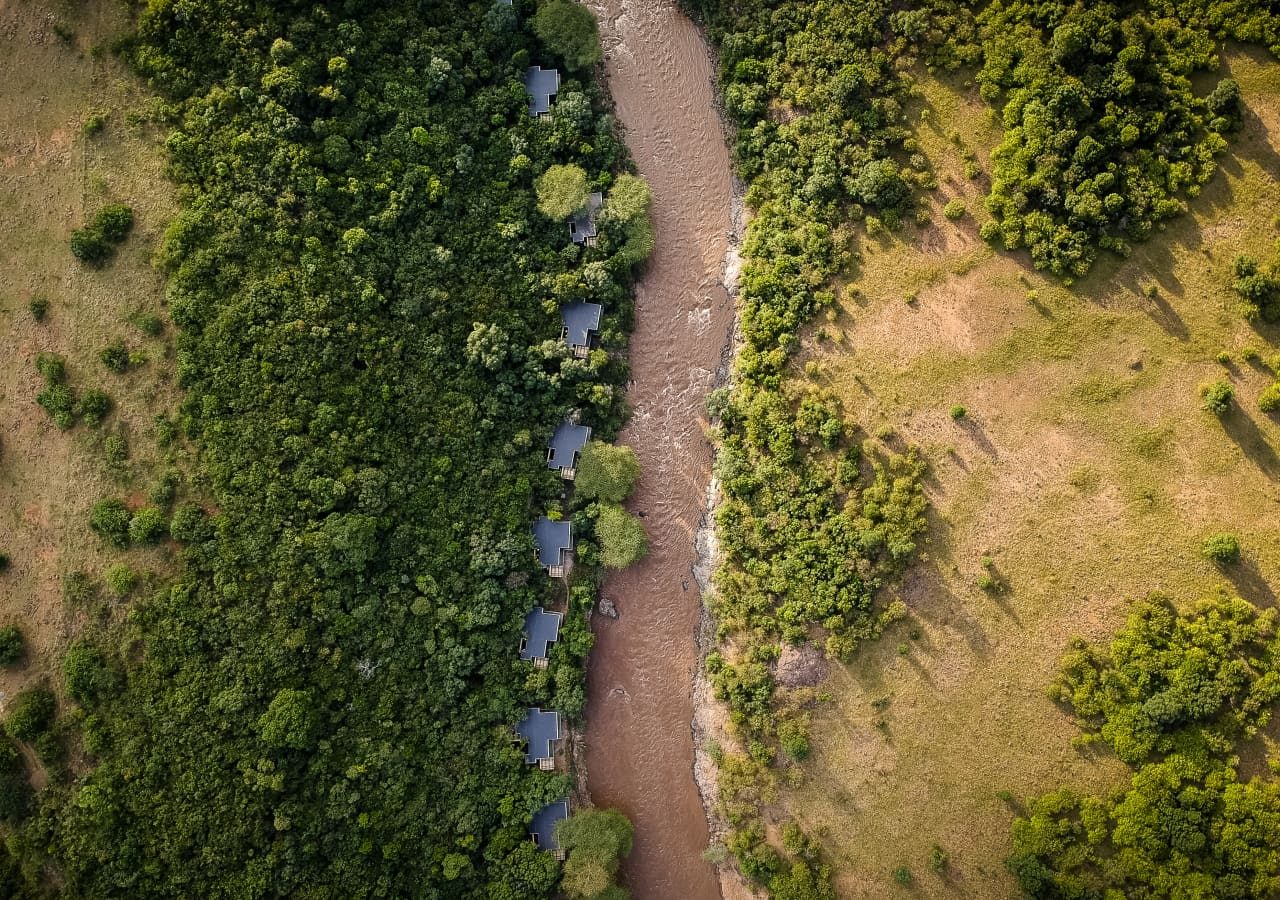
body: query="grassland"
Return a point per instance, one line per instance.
(1083, 473)
(57, 73)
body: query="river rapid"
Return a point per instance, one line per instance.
(640, 753)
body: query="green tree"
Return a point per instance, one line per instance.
(289, 720)
(147, 526)
(597, 840)
(1217, 397)
(11, 645)
(562, 191)
(606, 472)
(30, 713)
(569, 31)
(1223, 548)
(622, 538)
(110, 518)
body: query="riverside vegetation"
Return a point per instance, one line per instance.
(1107, 134)
(367, 302)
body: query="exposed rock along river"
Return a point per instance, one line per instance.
(640, 752)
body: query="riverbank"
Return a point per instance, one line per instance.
(660, 74)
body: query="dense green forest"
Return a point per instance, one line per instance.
(1106, 135)
(1173, 695)
(367, 299)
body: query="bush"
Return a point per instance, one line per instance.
(1222, 548)
(115, 356)
(190, 524)
(52, 368)
(16, 801)
(1269, 399)
(902, 876)
(110, 518)
(11, 645)
(115, 449)
(60, 403)
(1217, 397)
(958, 412)
(39, 307)
(938, 859)
(606, 472)
(95, 242)
(569, 31)
(87, 675)
(93, 407)
(78, 588)
(955, 209)
(148, 323)
(121, 580)
(147, 526)
(30, 714)
(562, 191)
(621, 537)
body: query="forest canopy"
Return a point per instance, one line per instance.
(367, 302)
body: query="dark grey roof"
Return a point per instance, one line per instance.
(582, 224)
(542, 85)
(539, 728)
(566, 443)
(541, 628)
(580, 319)
(545, 820)
(553, 539)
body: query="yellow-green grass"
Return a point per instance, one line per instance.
(1083, 469)
(52, 177)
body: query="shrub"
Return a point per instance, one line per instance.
(938, 859)
(1222, 548)
(30, 714)
(562, 191)
(958, 412)
(148, 323)
(110, 519)
(569, 31)
(95, 242)
(93, 407)
(39, 307)
(147, 526)
(1217, 397)
(955, 209)
(190, 524)
(60, 403)
(52, 368)
(606, 472)
(121, 580)
(902, 876)
(11, 645)
(78, 588)
(621, 536)
(1269, 399)
(115, 449)
(87, 675)
(115, 356)
(16, 799)
(94, 123)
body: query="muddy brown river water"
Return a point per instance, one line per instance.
(639, 740)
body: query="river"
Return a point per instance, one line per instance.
(638, 726)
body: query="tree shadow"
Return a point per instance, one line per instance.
(1251, 441)
(1247, 579)
(978, 436)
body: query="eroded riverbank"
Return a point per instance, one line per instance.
(640, 753)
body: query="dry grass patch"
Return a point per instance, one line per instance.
(57, 73)
(1082, 473)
